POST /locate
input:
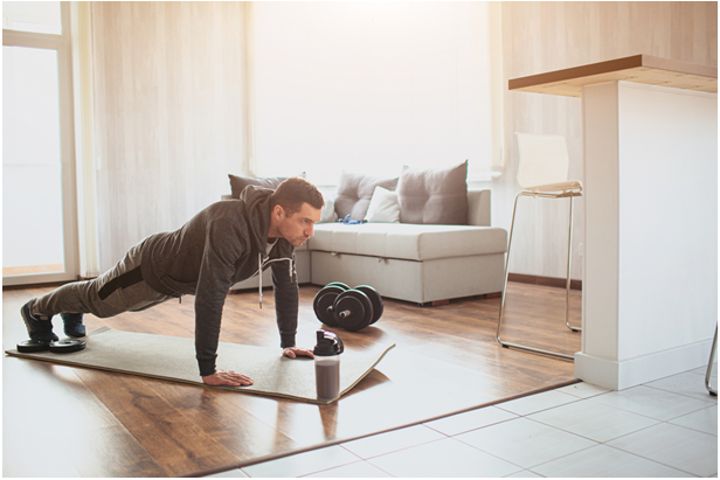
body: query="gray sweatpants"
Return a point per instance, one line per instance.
(83, 296)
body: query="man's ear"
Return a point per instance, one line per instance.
(278, 211)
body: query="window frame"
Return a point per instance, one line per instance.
(62, 45)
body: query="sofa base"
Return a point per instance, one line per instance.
(411, 280)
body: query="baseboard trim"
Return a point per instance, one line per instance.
(546, 281)
(619, 375)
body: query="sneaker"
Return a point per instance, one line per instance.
(73, 324)
(39, 330)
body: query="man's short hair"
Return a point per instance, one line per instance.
(295, 191)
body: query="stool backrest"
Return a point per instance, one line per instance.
(543, 159)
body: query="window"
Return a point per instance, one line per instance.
(38, 189)
(370, 87)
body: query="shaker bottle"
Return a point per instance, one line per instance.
(327, 364)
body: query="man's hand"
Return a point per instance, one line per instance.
(293, 352)
(229, 377)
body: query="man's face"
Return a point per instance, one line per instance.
(297, 227)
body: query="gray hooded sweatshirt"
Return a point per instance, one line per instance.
(221, 245)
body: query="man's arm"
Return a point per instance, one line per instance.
(286, 300)
(214, 281)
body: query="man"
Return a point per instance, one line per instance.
(226, 242)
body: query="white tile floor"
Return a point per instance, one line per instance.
(666, 428)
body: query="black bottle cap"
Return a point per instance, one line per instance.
(328, 344)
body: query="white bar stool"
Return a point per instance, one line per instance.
(542, 173)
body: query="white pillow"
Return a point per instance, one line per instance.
(327, 214)
(384, 206)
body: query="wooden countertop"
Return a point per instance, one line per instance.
(637, 68)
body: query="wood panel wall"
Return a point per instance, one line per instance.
(169, 112)
(169, 81)
(544, 36)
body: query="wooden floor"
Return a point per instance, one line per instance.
(63, 421)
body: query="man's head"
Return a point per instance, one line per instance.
(294, 209)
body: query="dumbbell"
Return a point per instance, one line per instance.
(66, 345)
(337, 305)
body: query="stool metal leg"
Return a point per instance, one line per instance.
(567, 276)
(711, 362)
(507, 262)
(502, 342)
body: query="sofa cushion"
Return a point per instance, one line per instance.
(327, 214)
(408, 241)
(355, 191)
(435, 196)
(384, 207)
(238, 183)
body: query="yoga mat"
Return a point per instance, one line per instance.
(173, 358)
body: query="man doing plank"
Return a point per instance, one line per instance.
(226, 242)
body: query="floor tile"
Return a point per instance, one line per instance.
(525, 442)
(593, 420)
(392, 441)
(302, 463)
(652, 402)
(604, 461)
(705, 420)
(685, 384)
(678, 447)
(443, 458)
(464, 422)
(360, 469)
(537, 402)
(703, 371)
(713, 375)
(583, 390)
(235, 473)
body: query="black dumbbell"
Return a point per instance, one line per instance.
(353, 310)
(65, 345)
(324, 300)
(337, 305)
(376, 300)
(342, 285)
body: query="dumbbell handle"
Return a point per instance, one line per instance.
(343, 314)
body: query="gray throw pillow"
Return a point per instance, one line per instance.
(355, 191)
(437, 196)
(238, 183)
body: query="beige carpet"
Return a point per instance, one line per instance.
(173, 358)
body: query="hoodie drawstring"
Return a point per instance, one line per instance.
(291, 270)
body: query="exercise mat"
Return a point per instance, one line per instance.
(173, 358)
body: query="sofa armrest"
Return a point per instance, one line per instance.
(226, 197)
(479, 207)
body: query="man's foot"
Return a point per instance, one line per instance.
(39, 330)
(73, 324)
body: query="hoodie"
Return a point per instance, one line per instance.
(221, 245)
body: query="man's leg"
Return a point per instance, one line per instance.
(115, 291)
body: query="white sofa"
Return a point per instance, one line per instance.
(416, 263)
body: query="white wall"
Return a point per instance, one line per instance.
(545, 36)
(345, 81)
(369, 86)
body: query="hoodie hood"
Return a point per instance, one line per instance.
(257, 207)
